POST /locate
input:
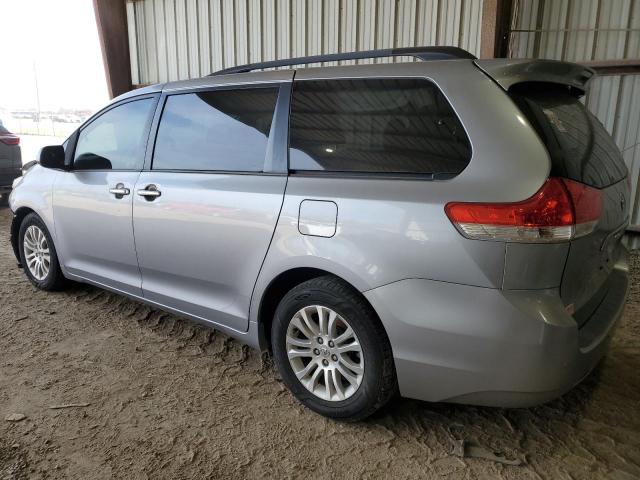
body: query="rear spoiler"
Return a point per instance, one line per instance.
(507, 72)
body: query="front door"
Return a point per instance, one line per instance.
(205, 211)
(93, 201)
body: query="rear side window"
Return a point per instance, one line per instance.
(375, 126)
(579, 146)
(222, 130)
(115, 140)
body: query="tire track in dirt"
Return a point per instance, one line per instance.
(171, 399)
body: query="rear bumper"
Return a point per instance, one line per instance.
(484, 346)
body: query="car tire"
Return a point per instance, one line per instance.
(52, 279)
(373, 366)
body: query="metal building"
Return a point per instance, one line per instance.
(177, 39)
(149, 41)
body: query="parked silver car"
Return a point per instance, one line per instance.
(449, 228)
(10, 162)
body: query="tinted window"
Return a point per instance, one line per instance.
(375, 126)
(225, 130)
(579, 146)
(116, 139)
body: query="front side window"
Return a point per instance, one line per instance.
(375, 126)
(115, 140)
(222, 130)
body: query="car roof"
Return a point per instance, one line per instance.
(505, 72)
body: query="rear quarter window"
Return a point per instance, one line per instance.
(578, 144)
(374, 126)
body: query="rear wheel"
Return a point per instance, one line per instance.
(332, 351)
(38, 254)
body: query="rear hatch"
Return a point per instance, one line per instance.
(581, 150)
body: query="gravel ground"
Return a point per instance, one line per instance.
(170, 399)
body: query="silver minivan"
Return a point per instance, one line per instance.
(448, 228)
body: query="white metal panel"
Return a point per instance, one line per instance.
(449, 21)
(161, 39)
(241, 33)
(133, 43)
(298, 28)
(553, 21)
(582, 34)
(216, 35)
(268, 29)
(406, 22)
(204, 43)
(367, 26)
(470, 31)
(255, 30)
(174, 39)
(349, 28)
(181, 40)
(141, 43)
(427, 26)
(192, 37)
(313, 27)
(613, 19)
(386, 22)
(522, 42)
(151, 38)
(283, 30)
(330, 26)
(228, 32)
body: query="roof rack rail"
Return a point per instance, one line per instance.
(422, 53)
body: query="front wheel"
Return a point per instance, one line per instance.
(332, 351)
(38, 254)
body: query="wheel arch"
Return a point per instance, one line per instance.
(278, 287)
(18, 216)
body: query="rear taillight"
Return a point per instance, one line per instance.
(9, 139)
(587, 206)
(561, 210)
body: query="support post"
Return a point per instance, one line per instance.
(111, 18)
(496, 23)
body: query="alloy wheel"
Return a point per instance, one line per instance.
(325, 353)
(36, 252)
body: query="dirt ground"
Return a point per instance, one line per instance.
(170, 399)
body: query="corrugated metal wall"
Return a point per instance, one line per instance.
(178, 39)
(582, 30)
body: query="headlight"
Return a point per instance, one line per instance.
(16, 182)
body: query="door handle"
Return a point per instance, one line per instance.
(119, 190)
(150, 192)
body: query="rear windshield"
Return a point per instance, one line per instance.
(579, 146)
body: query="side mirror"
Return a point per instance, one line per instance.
(52, 157)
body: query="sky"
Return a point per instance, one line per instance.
(58, 39)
